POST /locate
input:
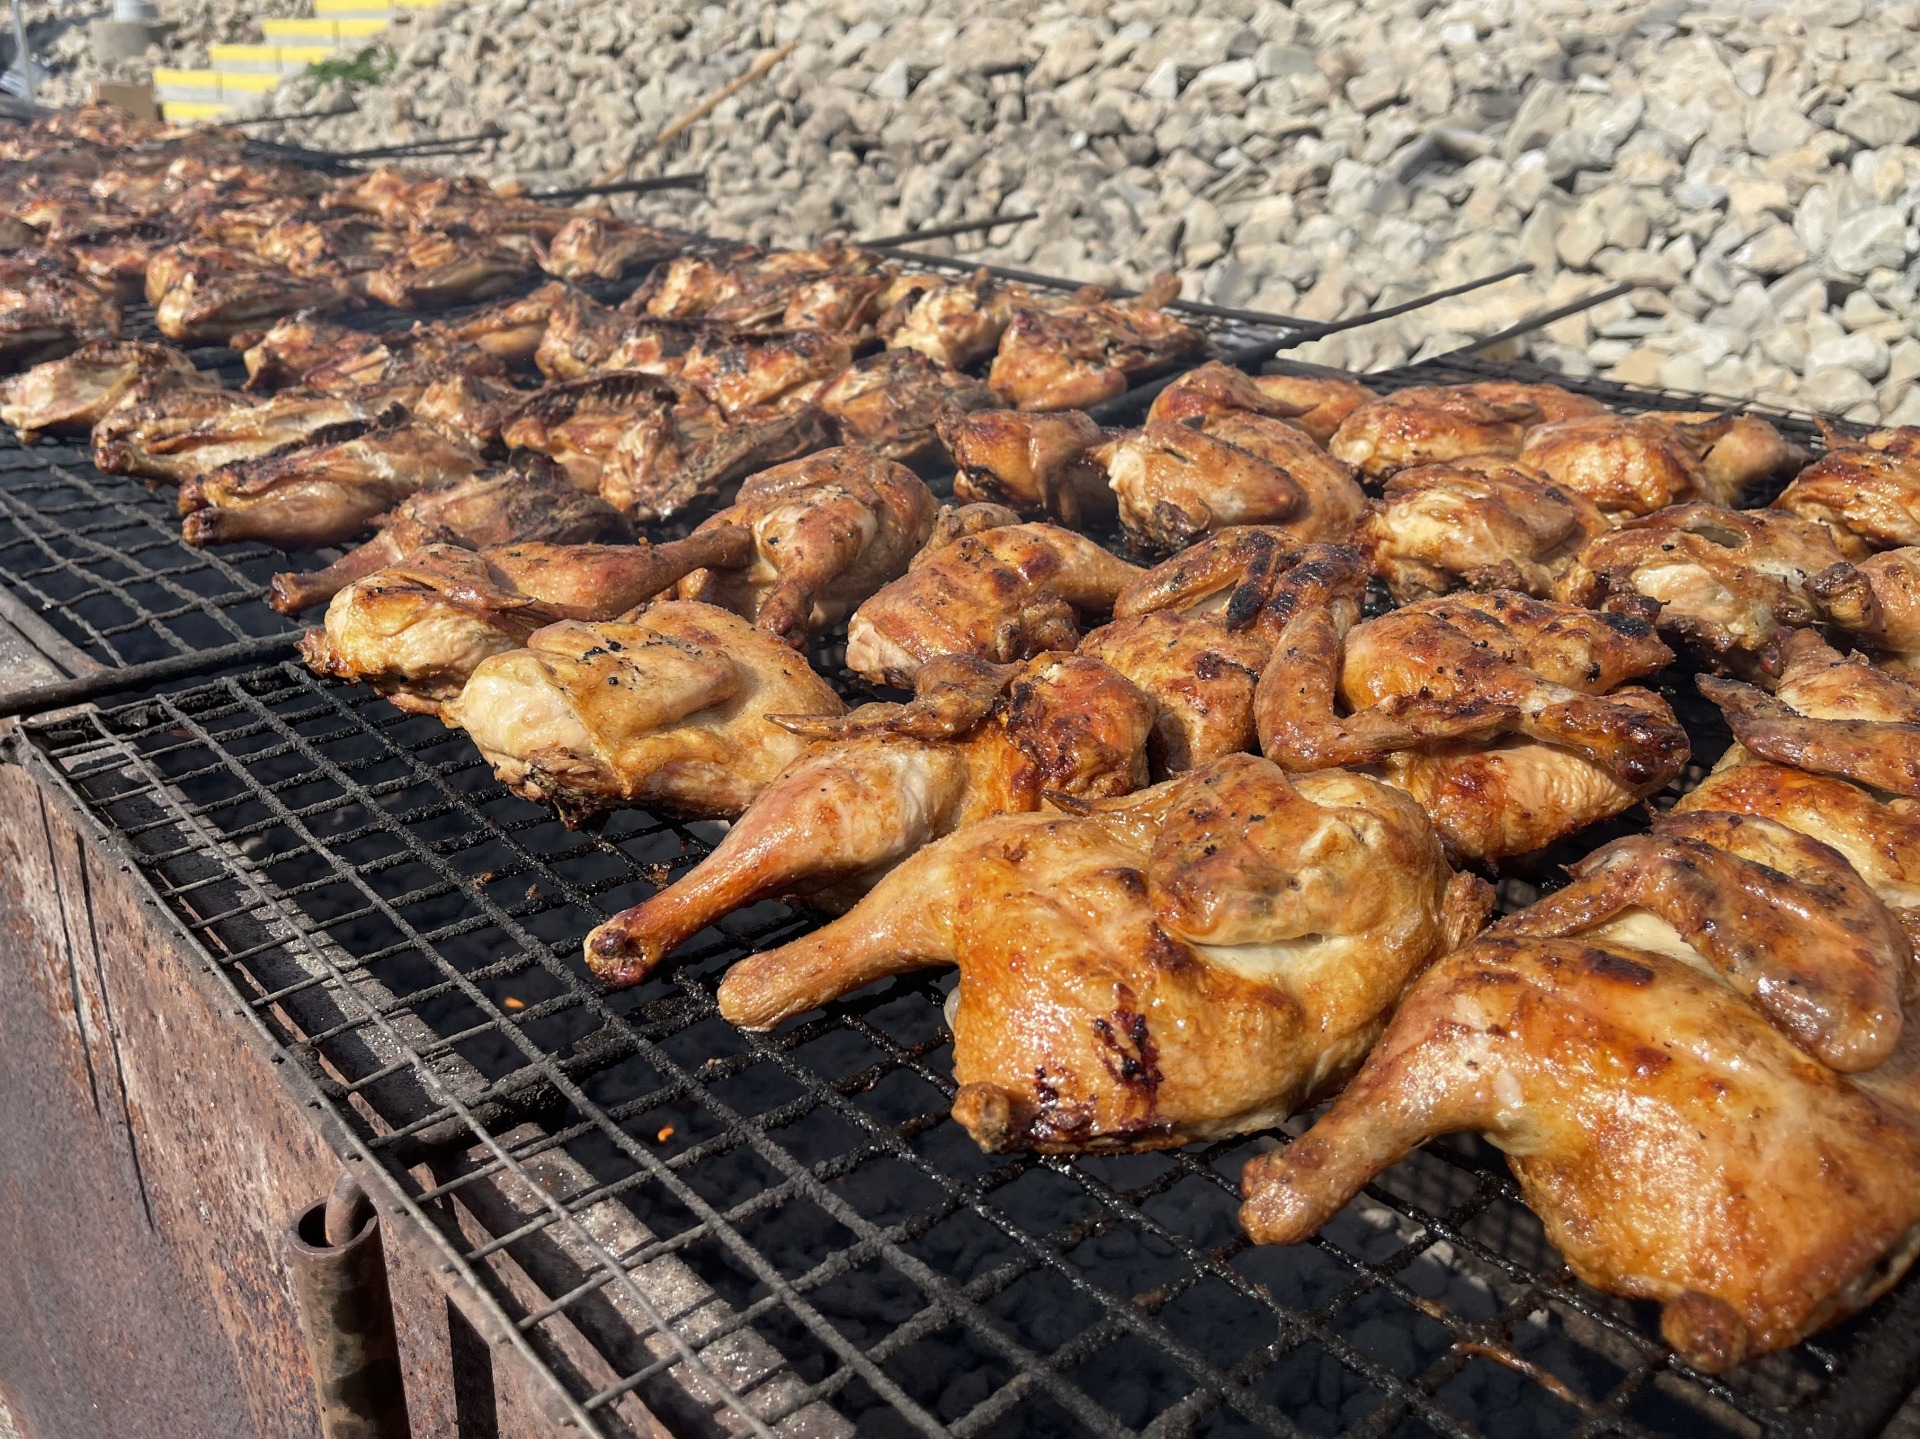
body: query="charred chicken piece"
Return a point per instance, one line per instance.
(675, 458)
(1867, 490)
(439, 268)
(345, 250)
(415, 630)
(1430, 424)
(298, 344)
(1877, 604)
(1178, 480)
(583, 338)
(774, 372)
(216, 296)
(1737, 1161)
(1477, 524)
(578, 422)
(1726, 580)
(601, 247)
(182, 433)
(891, 402)
(1629, 465)
(47, 311)
(530, 502)
(957, 322)
(509, 330)
(1502, 715)
(1191, 962)
(323, 492)
(977, 740)
(1087, 350)
(827, 532)
(70, 395)
(1039, 464)
(1002, 594)
(667, 709)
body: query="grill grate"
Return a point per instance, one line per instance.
(822, 1248)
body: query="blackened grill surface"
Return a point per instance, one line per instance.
(811, 1178)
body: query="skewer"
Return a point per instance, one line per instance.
(687, 119)
(624, 187)
(1541, 320)
(420, 147)
(296, 115)
(958, 227)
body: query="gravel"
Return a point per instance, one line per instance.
(1747, 167)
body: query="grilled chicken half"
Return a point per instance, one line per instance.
(46, 310)
(892, 402)
(1867, 489)
(977, 740)
(1037, 463)
(1314, 403)
(71, 395)
(1068, 356)
(180, 433)
(1194, 961)
(1631, 465)
(601, 247)
(668, 709)
(1696, 1060)
(1431, 424)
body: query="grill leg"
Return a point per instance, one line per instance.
(340, 1279)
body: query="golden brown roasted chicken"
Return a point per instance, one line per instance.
(602, 247)
(674, 457)
(977, 740)
(667, 709)
(827, 532)
(583, 337)
(1866, 489)
(831, 288)
(415, 630)
(956, 322)
(47, 311)
(1037, 463)
(71, 395)
(753, 373)
(1876, 603)
(180, 433)
(577, 423)
(1194, 961)
(1430, 424)
(207, 295)
(1002, 594)
(437, 268)
(891, 402)
(1477, 524)
(1696, 1061)
(1630, 465)
(1507, 718)
(1071, 355)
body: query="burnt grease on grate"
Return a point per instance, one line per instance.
(810, 1180)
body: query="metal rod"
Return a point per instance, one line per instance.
(346, 1313)
(37, 699)
(1542, 319)
(625, 187)
(1420, 302)
(414, 147)
(296, 115)
(958, 227)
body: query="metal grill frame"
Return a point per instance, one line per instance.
(385, 1085)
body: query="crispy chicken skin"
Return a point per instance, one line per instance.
(1429, 424)
(1314, 403)
(1868, 489)
(1177, 480)
(1502, 715)
(213, 301)
(675, 458)
(956, 322)
(1072, 355)
(667, 709)
(1877, 604)
(1477, 524)
(892, 402)
(415, 630)
(1550, 402)
(70, 395)
(601, 247)
(578, 422)
(529, 503)
(1037, 463)
(437, 268)
(1629, 465)
(1001, 594)
(182, 433)
(827, 531)
(46, 312)
(1727, 580)
(1680, 1141)
(833, 287)
(754, 373)
(1194, 961)
(977, 740)
(1748, 451)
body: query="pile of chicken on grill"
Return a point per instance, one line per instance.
(1204, 736)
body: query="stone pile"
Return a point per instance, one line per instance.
(1749, 168)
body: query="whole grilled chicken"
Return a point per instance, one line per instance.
(1178, 480)
(1430, 424)
(601, 247)
(1477, 524)
(1696, 1061)
(1877, 604)
(977, 740)
(1197, 960)
(891, 402)
(323, 493)
(71, 395)
(415, 630)
(1002, 594)
(181, 433)
(667, 709)
(1867, 489)
(827, 532)
(1629, 465)
(527, 503)
(1069, 356)
(1037, 463)
(1727, 580)
(1196, 632)
(1502, 715)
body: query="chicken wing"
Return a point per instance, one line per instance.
(828, 531)
(1674, 1053)
(1069, 356)
(891, 402)
(1629, 465)
(1502, 715)
(1191, 962)
(1001, 594)
(527, 503)
(667, 709)
(1868, 489)
(1036, 463)
(1477, 524)
(1876, 602)
(1430, 424)
(887, 779)
(71, 395)
(415, 630)
(1726, 580)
